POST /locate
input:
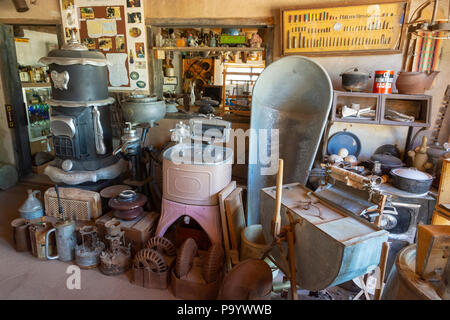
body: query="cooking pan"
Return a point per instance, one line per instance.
(411, 180)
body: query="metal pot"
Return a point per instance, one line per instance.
(354, 80)
(411, 180)
(77, 74)
(143, 108)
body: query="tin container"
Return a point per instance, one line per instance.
(21, 236)
(383, 81)
(65, 241)
(38, 232)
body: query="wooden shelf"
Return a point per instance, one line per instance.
(234, 49)
(36, 84)
(420, 105)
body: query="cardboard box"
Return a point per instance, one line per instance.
(137, 231)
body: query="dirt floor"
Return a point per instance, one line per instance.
(23, 276)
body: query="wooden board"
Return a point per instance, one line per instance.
(355, 28)
(235, 217)
(223, 219)
(433, 242)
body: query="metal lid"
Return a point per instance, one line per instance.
(75, 53)
(412, 173)
(355, 72)
(142, 98)
(387, 159)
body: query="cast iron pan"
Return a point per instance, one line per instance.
(185, 257)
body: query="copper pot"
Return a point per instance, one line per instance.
(415, 82)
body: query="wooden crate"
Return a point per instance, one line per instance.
(137, 231)
(40, 169)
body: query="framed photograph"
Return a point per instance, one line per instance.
(105, 44)
(133, 3)
(140, 50)
(87, 13)
(370, 27)
(135, 17)
(113, 13)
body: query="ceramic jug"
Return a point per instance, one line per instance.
(415, 82)
(32, 207)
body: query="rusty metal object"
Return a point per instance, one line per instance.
(151, 267)
(185, 257)
(87, 254)
(21, 235)
(128, 205)
(162, 245)
(116, 258)
(38, 231)
(249, 280)
(213, 263)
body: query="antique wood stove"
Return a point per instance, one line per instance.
(80, 117)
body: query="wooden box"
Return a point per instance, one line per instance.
(145, 277)
(137, 231)
(194, 290)
(40, 169)
(433, 243)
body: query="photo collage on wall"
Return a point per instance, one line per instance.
(117, 29)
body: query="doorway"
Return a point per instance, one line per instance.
(26, 87)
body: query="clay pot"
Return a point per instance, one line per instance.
(415, 82)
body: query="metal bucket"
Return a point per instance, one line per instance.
(253, 243)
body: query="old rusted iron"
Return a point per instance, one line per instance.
(87, 254)
(151, 267)
(116, 258)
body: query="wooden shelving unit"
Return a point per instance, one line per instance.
(417, 105)
(233, 49)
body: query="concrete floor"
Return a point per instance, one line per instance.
(23, 276)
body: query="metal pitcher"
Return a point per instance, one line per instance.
(65, 241)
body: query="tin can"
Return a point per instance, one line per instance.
(383, 81)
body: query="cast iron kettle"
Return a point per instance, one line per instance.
(354, 80)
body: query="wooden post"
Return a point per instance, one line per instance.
(276, 221)
(381, 204)
(382, 266)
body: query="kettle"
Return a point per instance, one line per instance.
(32, 207)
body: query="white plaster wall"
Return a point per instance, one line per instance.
(29, 53)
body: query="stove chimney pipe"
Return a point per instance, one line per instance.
(21, 5)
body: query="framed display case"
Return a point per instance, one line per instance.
(355, 28)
